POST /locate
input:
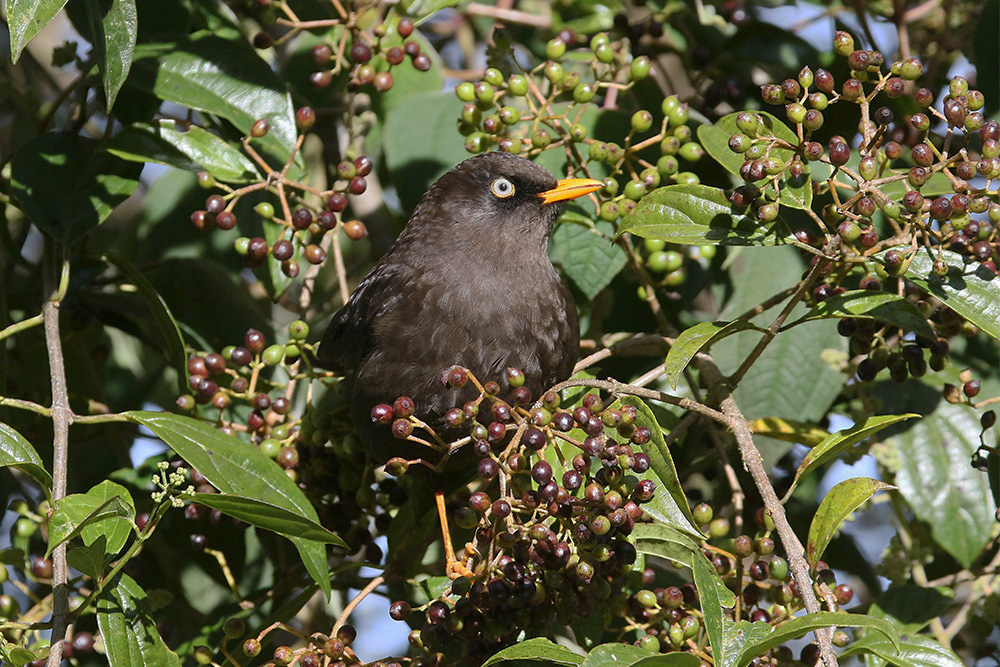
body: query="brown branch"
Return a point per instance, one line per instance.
(62, 417)
(755, 466)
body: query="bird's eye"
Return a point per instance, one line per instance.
(502, 188)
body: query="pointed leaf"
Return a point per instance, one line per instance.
(939, 484)
(678, 659)
(128, 629)
(737, 636)
(714, 137)
(173, 339)
(671, 507)
(869, 305)
(221, 76)
(17, 452)
(910, 651)
(660, 540)
(841, 441)
(910, 607)
(66, 186)
(797, 627)
(698, 215)
(107, 510)
(538, 649)
(588, 257)
(113, 27)
(90, 559)
(268, 516)
(193, 149)
(713, 596)
(789, 430)
(26, 18)
(842, 499)
(611, 655)
(237, 468)
(695, 339)
(970, 289)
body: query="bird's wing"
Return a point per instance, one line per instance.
(348, 338)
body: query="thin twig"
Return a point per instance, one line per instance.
(372, 585)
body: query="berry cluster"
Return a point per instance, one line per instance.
(240, 384)
(549, 107)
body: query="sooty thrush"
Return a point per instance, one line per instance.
(469, 283)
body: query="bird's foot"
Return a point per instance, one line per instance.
(456, 568)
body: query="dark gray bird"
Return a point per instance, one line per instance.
(469, 283)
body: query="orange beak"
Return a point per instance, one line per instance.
(570, 188)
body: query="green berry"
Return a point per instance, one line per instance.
(584, 92)
(653, 245)
(205, 180)
(466, 91)
(555, 49)
(795, 112)
(493, 76)
(691, 151)
(541, 139)
(843, 43)
(509, 116)
(642, 120)
(273, 354)
(605, 53)
(911, 69)
(687, 178)
(554, 72)
(242, 245)
(517, 85)
(265, 210)
(609, 211)
(679, 115)
(667, 166)
(298, 330)
(635, 190)
(578, 132)
(639, 68)
(646, 598)
(768, 212)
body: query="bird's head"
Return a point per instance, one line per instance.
(496, 196)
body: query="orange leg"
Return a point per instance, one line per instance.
(453, 567)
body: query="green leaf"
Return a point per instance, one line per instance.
(224, 77)
(113, 27)
(937, 184)
(611, 655)
(678, 659)
(237, 468)
(911, 651)
(66, 186)
(737, 636)
(26, 18)
(698, 215)
(866, 304)
(194, 149)
(972, 290)
(16, 452)
(671, 508)
(842, 499)
(937, 481)
(841, 441)
(660, 540)
(268, 516)
(693, 340)
(538, 649)
(714, 138)
(435, 587)
(128, 629)
(586, 254)
(19, 656)
(910, 607)
(789, 430)
(90, 558)
(106, 510)
(805, 359)
(173, 339)
(796, 627)
(713, 596)
(420, 147)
